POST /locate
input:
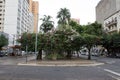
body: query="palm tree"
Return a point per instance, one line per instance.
(64, 16)
(47, 23)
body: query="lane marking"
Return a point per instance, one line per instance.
(114, 77)
(110, 71)
(110, 62)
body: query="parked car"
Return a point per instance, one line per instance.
(118, 55)
(1, 54)
(95, 54)
(23, 53)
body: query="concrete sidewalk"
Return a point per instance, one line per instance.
(80, 62)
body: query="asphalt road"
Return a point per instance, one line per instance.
(53, 73)
(109, 71)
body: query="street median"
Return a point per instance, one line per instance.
(61, 63)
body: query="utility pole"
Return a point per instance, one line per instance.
(36, 39)
(26, 47)
(36, 45)
(26, 53)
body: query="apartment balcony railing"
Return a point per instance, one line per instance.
(112, 30)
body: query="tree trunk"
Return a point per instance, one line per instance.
(39, 56)
(69, 55)
(89, 54)
(77, 54)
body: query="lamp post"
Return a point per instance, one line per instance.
(26, 52)
(36, 38)
(36, 45)
(26, 48)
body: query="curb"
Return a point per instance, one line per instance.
(60, 65)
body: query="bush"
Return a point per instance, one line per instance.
(50, 56)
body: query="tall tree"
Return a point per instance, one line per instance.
(28, 39)
(78, 28)
(93, 29)
(47, 24)
(3, 41)
(89, 42)
(63, 16)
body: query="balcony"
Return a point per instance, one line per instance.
(111, 23)
(112, 29)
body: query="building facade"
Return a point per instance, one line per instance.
(18, 19)
(112, 23)
(35, 11)
(107, 13)
(2, 13)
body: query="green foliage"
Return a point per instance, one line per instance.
(78, 28)
(106, 41)
(93, 29)
(3, 41)
(116, 40)
(59, 56)
(77, 43)
(63, 16)
(27, 39)
(66, 38)
(112, 43)
(89, 40)
(47, 24)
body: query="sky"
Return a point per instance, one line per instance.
(81, 9)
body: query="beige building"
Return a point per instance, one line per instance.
(35, 11)
(107, 13)
(30, 5)
(34, 8)
(76, 20)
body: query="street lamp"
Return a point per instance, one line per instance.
(26, 46)
(36, 45)
(36, 39)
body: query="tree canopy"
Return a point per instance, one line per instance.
(64, 16)
(3, 41)
(47, 24)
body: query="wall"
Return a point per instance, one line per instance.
(104, 9)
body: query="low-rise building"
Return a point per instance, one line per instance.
(112, 23)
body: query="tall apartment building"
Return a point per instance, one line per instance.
(2, 13)
(108, 14)
(18, 19)
(35, 11)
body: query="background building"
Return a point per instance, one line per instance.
(76, 20)
(2, 13)
(35, 11)
(18, 19)
(107, 13)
